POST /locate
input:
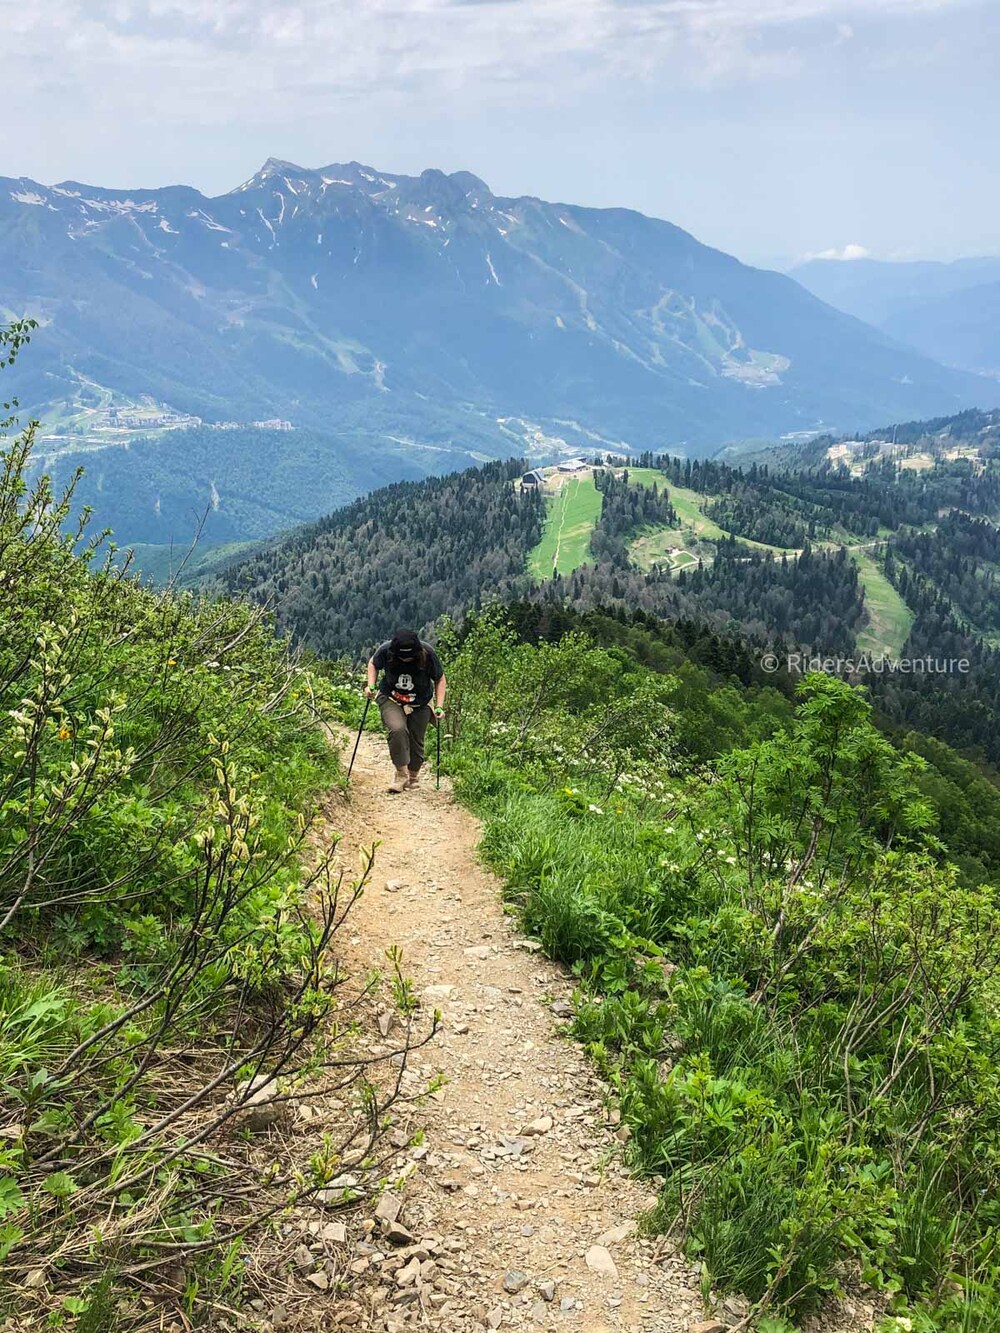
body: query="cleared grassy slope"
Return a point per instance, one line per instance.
(890, 619)
(572, 513)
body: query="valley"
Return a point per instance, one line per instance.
(500, 667)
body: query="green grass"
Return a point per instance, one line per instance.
(779, 1167)
(890, 619)
(669, 545)
(572, 513)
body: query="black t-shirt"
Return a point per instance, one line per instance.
(408, 684)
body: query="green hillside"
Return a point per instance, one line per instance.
(789, 987)
(166, 927)
(571, 514)
(890, 619)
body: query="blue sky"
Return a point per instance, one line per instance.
(774, 129)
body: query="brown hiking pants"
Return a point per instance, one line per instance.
(406, 732)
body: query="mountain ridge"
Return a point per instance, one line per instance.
(948, 311)
(425, 317)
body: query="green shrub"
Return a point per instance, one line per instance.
(793, 993)
(164, 936)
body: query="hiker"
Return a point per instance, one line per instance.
(410, 693)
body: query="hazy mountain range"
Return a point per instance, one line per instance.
(948, 311)
(429, 320)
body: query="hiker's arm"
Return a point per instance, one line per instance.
(440, 690)
(372, 673)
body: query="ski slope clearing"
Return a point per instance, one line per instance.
(574, 506)
(890, 619)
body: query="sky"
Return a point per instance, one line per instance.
(774, 129)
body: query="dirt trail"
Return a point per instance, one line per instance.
(519, 1174)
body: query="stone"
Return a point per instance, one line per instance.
(561, 1008)
(708, 1326)
(599, 1261)
(538, 1312)
(392, 886)
(615, 1235)
(384, 1024)
(535, 1127)
(396, 1234)
(279, 1316)
(389, 1207)
(547, 1290)
(337, 1192)
(514, 1281)
(256, 1099)
(495, 1317)
(408, 1274)
(335, 1233)
(436, 993)
(319, 1280)
(303, 1258)
(566, 1304)
(481, 951)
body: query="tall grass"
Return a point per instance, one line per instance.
(791, 990)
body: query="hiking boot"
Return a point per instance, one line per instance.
(400, 780)
(412, 777)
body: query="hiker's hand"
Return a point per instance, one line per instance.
(370, 691)
(438, 712)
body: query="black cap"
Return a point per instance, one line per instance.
(405, 645)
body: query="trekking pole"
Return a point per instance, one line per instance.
(354, 756)
(437, 776)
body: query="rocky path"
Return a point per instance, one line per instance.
(517, 1212)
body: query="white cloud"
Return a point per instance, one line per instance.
(216, 58)
(846, 253)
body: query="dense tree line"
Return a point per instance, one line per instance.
(762, 516)
(961, 560)
(626, 510)
(829, 500)
(815, 602)
(969, 427)
(960, 705)
(404, 555)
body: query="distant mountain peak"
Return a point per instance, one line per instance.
(454, 189)
(424, 314)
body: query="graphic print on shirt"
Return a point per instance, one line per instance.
(404, 688)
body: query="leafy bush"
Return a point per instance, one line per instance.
(165, 926)
(792, 990)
